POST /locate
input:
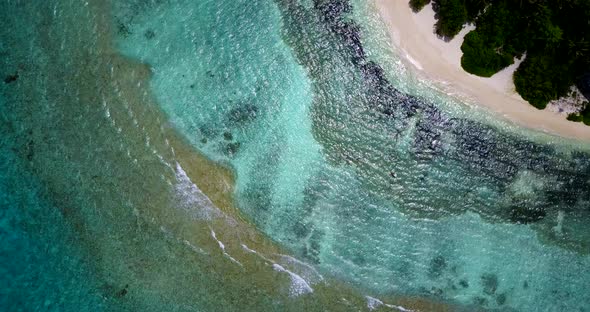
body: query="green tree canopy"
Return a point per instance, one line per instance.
(553, 34)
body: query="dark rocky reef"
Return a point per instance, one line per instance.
(494, 155)
(332, 10)
(437, 267)
(489, 282)
(11, 78)
(523, 214)
(149, 34)
(243, 114)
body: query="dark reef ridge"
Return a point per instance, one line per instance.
(482, 154)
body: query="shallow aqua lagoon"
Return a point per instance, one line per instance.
(373, 179)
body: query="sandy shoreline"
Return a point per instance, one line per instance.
(439, 61)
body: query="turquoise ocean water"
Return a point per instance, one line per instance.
(353, 180)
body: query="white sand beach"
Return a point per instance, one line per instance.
(440, 61)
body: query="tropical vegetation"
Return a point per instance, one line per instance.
(553, 36)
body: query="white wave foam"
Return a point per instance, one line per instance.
(302, 268)
(166, 231)
(414, 62)
(246, 248)
(222, 247)
(298, 285)
(195, 248)
(192, 198)
(558, 228)
(170, 235)
(161, 159)
(374, 303)
(256, 253)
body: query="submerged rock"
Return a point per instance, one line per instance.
(123, 30)
(524, 215)
(228, 136)
(374, 74)
(301, 229)
(243, 114)
(489, 282)
(149, 34)
(313, 247)
(437, 266)
(480, 301)
(11, 78)
(30, 151)
(501, 299)
(437, 292)
(232, 148)
(332, 10)
(122, 293)
(350, 33)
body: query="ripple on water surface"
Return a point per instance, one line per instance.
(367, 184)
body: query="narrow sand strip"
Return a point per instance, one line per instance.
(440, 62)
